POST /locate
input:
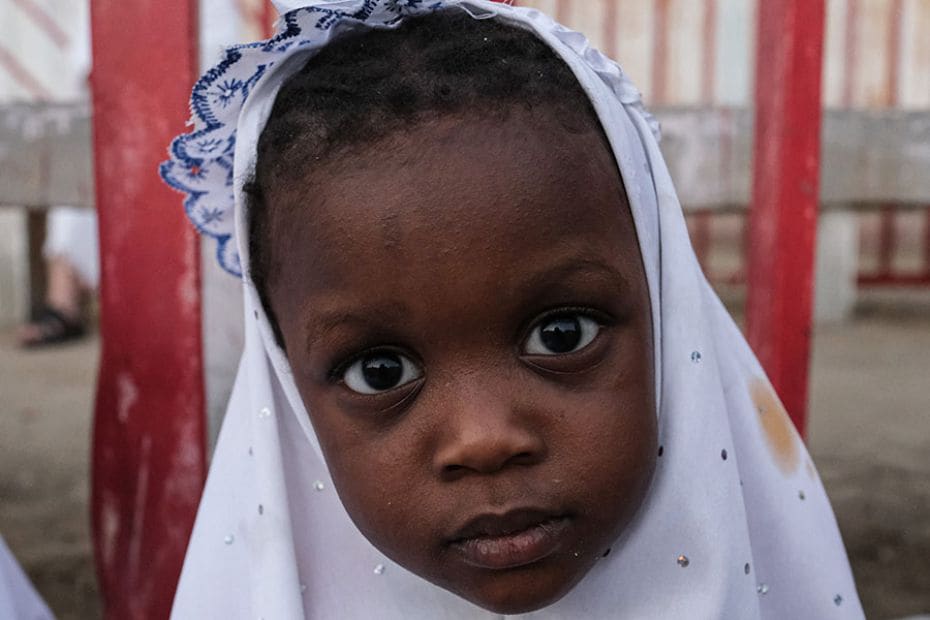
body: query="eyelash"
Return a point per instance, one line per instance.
(336, 374)
(601, 318)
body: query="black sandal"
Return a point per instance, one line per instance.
(53, 328)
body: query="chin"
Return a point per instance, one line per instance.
(510, 597)
(513, 603)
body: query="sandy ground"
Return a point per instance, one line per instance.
(45, 422)
(870, 436)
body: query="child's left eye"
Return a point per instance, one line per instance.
(380, 371)
(562, 334)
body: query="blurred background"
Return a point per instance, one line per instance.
(868, 424)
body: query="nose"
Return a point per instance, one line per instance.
(483, 432)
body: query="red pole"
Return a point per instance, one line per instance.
(660, 52)
(709, 52)
(149, 432)
(886, 241)
(561, 11)
(927, 243)
(611, 23)
(785, 192)
(268, 15)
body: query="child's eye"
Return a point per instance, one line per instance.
(561, 334)
(380, 371)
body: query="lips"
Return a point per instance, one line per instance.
(510, 540)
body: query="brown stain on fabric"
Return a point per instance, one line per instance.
(780, 435)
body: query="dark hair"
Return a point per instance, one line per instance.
(364, 87)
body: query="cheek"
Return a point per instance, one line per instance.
(375, 479)
(613, 441)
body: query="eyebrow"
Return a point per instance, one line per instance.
(560, 269)
(573, 265)
(329, 320)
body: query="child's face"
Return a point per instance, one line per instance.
(466, 315)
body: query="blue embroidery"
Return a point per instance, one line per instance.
(200, 163)
(403, 6)
(209, 145)
(223, 94)
(209, 216)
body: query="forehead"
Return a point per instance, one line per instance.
(491, 186)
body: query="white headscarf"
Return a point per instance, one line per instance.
(736, 524)
(18, 599)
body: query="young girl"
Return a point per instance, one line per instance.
(483, 373)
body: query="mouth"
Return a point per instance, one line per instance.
(510, 540)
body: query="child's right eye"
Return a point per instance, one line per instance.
(380, 371)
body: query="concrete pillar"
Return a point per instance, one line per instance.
(836, 266)
(222, 337)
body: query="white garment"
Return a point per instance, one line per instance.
(18, 599)
(71, 234)
(744, 534)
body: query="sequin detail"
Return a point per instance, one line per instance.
(379, 569)
(683, 561)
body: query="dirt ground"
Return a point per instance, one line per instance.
(869, 433)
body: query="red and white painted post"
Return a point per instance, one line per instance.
(149, 458)
(783, 219)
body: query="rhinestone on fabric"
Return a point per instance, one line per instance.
(379, 569)
(261, 509)
(802, 496)
(229, 539)
(763, 589)
(695, 356)
(318, 485)
(723, 454)
(264, 413)
(683, 561)
(838, 600)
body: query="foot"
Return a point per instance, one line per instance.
(51, 327)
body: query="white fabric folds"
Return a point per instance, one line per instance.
(736, 524)
(18, 599)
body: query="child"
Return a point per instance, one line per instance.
(483, 373)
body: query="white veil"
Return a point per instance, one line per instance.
(18, 598)
(736, 524)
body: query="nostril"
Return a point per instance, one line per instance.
(453, 470)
